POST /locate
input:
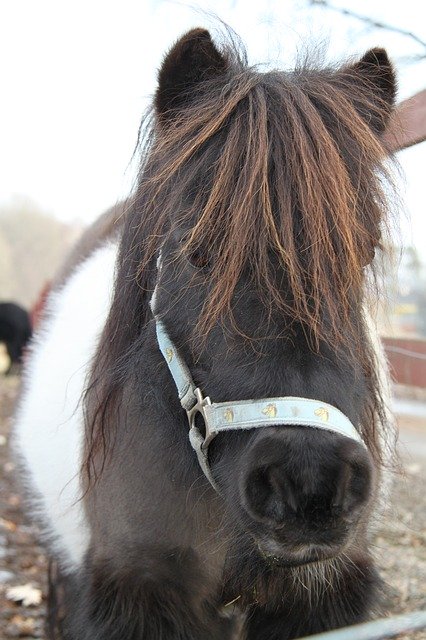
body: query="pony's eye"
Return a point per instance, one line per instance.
(199, 259)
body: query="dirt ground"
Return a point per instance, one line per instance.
(400, 542)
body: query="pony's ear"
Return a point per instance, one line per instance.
(377, 75)
(193, 59)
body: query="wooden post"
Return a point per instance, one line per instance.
(408, 124)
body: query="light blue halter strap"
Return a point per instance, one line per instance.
(180, 372)
(243, 414)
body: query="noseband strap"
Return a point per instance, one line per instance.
(243, 414)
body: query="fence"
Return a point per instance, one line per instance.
(407, 359)
(378, 629)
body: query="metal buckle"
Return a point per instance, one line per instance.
(199, 408)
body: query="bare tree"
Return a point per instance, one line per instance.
(377, 24)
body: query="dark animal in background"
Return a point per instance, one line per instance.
(15, 330)
(241, 269)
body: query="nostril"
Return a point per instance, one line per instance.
(257, 492)
(270, 493)
(344, 478)
(309, 487)
(353, 482)
(283, 487)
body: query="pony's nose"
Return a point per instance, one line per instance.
(307, 475)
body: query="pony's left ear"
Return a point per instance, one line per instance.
(378, 77)
(193, 59)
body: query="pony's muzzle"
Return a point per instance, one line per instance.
(303, 486)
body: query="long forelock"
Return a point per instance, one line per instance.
(273, 169)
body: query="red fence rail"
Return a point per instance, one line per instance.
(407, 359)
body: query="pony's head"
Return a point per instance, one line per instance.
(263, 194)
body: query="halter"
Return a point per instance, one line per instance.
(243, 414)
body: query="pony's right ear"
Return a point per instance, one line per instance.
(193, 59)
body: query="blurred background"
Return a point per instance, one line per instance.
(75, 79)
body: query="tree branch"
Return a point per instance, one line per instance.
(375, 24)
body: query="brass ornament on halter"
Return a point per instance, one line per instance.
(228, 415)
(322, 413)
(270, 410)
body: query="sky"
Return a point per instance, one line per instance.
(76, 76)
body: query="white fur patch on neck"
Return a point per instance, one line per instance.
(49, 429)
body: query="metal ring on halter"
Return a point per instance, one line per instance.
(200, 442)
(199, 407)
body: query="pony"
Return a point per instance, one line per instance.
(204, 430)
(15, 330)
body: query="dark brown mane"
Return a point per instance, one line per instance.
(294, 178)
(263, 169)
